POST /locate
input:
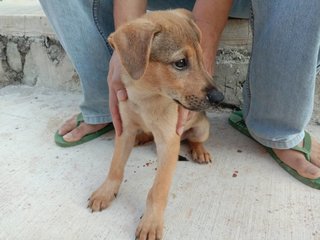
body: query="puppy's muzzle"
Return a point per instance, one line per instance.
(214, 96)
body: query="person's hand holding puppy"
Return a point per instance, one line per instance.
(117, 91)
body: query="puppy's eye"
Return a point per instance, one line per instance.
(180, 64)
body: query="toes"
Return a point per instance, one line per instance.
(75, 135)
(71, 136)
(70, 124)
(298, 162)
(310, 171)
(72, 133)
(315, 152)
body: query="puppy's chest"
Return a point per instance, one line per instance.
(149, 114)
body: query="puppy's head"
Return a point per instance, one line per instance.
(160, 52)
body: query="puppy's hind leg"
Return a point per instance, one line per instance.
(199, 153)
(196, 136)
(103, 196)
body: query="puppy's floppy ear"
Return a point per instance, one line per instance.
(132, 42)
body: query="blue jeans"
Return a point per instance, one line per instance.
(279, 91)
(280, 87)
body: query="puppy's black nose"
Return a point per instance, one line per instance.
(214, 96)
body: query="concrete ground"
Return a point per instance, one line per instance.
(44, 188)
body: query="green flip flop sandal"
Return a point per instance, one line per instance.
(62, 143)
(236, 120)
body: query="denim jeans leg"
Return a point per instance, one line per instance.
(74, 21)
(318, 64)
(240, 9)
(279, 93)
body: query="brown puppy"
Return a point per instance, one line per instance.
(162, 67)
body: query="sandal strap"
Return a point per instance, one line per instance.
(242, 123)
(306, 149)
(79, 119)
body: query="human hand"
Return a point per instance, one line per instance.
(183, 116)
(117, 91)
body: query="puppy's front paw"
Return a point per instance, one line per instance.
(102, 197)
(150, 228)
(200, 154)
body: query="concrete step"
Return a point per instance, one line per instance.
(31, 54)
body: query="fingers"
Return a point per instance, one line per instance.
(114, 109)
(114, 98)
(183, 115)
(117, 92)
(122, 95)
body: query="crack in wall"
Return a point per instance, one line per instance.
(54, 50)
(10, 74)
(23, 44)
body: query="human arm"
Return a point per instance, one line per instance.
(211, 17)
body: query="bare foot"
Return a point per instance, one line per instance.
(297, 161)
(72, 133)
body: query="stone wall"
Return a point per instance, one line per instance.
(36, 61)
(41, 61)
